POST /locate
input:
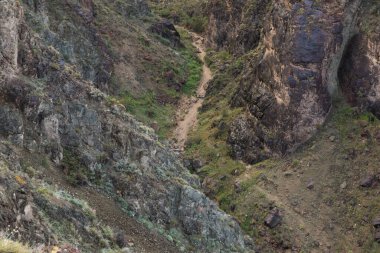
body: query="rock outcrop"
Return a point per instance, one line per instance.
(167, 30)
(10, 14)
(287, 87)
(359, 73)
(53, 103)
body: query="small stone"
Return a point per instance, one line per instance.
(377, 235)
(273, 219)
(310, 185)
(288, 174)
(28, 211)
(363, 123)
(197, 164)
(376, 222)
(332, 138)
(237, 187)
(367, 182)
(121, 240)
(223, 177)
(343, 185)
(235, 172)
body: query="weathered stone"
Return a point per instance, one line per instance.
(367, 182)
(121, 240)
(28, 213)
(11, 122)
(273, 219)
(376, 222)
(237, 187)
(168, 31)
(310, 185)
(288, 173)
(377, 235)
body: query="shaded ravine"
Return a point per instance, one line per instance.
(188, 109)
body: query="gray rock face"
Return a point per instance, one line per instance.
(10, 14)
(10, 121)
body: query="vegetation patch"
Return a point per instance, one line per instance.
(9, 246)
(74, 169)
(157, 108)
(190, 14)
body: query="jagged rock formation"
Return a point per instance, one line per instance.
(55, 73)
(236, 25)
(287, 87)
(10, 16)
(360, 70)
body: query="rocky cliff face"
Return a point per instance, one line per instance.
(236, 25)
(55, 73)
(287, 87)
(10, 15)
(360, 70)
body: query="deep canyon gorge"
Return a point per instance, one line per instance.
(189, 126)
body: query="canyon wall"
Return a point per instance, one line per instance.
(287, 88)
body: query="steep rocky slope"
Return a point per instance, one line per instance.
(287, 90)
(275, 131)
(62, 125)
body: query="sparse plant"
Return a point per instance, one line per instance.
(9, 246)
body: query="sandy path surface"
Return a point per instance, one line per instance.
(188, 109)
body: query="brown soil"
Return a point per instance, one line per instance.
(188, 107)
(335, 214)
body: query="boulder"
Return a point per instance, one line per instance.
(167, 30)
(273, 219)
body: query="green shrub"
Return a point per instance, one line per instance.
(76, 171)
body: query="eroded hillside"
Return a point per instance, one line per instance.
(78, 172)
(91, 89)
(294, 94)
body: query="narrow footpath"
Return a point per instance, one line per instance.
(188, 108)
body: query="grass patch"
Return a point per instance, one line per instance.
(9, 246)
(190, 14)
(148, 107)
(147, 110)
(193, 64)
(371, 19)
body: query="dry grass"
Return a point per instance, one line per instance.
(9, 246)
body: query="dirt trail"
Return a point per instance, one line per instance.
(188, 109)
